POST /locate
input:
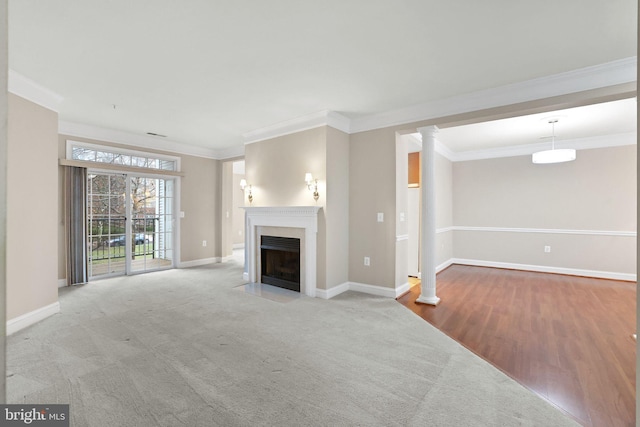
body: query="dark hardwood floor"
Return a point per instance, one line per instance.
(568, 339)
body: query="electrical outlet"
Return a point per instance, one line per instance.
(367, 261)
(181, 214)
(380, 217)
(204, 243)
(547, 249)
(401, 216)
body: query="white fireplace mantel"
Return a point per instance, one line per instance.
(304, 217)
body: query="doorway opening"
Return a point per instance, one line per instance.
(233, 200)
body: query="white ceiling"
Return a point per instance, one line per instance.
(204, 72)
(574, 123)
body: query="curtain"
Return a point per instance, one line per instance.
(76, 224)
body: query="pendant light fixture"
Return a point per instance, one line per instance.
(553, 155)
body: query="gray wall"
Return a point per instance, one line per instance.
(275, 168)
(337, 209)
(32, 201)
(444, 210)
(200, 200)
(372, 189)
(596, 192)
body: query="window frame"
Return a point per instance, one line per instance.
(148, 155)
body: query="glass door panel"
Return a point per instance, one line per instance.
(120, 246)
(106, 224)
(151, 223)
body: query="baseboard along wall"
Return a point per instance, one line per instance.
(18, 323)
(396, 292)
(363, 288)
(627, 277)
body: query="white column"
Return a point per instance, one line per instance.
(428, 217)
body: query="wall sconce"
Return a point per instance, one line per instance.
(243, 185)
(312, 185)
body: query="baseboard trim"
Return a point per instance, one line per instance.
(401, 290)
(62, 283)
(627, 277)
(364, 288)
(18, 323)
(332, 292)
(377, 290)
(439, 268)
(444, 265)
(199, 262)
(372, 289)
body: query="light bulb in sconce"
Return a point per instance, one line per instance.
(243, 186)
(312, 185)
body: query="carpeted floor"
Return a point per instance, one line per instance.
(188, 348)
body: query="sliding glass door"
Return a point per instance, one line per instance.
(151, 223)
(130, 221)
(106, 224)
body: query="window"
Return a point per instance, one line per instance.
(118, 156)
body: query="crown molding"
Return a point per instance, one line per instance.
(439, 147)
(588, 143)
(30, 90)
(594, 77)
(583, 79)
(598, 76)
(445, 151)
(229, 153)
(603, 141)
(80, 130)
(299, 124)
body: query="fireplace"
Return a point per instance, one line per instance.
(298, 222)
(280, 261)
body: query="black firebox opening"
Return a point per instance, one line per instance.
(280, 259)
